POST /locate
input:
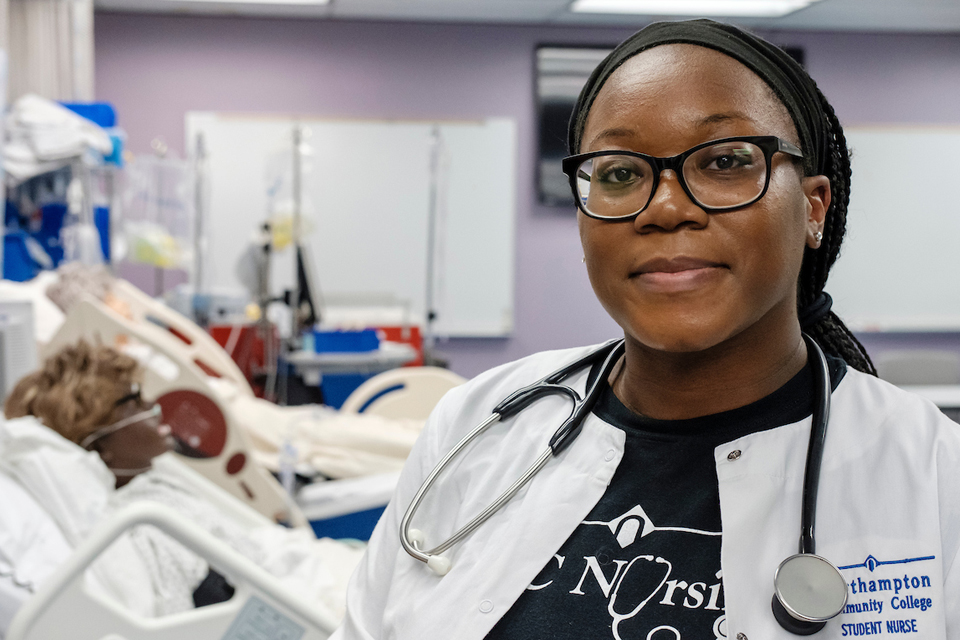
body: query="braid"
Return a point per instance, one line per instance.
(830, 333)
(836, 339)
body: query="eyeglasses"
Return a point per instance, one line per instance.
(718, 175)
(152, 412)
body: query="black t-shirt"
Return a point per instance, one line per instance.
(645, 563)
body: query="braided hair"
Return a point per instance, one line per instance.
(821, 139)
(813, 303)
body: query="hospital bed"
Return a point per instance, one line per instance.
(405, 393)
(180, 358)
(174, 377)
(262, 607)
(408, 392)
(32, 546)
(197, 344)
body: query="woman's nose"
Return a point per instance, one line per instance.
(670, 207)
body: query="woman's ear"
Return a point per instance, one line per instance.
(816, 190)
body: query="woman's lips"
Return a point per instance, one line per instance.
(669, 275)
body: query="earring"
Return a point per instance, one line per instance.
(583, 259)
(818, 237)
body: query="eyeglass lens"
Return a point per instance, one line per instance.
(723, 175)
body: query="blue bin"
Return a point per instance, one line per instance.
(17, 263)
(358, 525)
(337, 387)
(345, 341)
(102, 113)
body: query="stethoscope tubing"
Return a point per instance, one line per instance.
(411, 546)
(818, 436)
(511, 405)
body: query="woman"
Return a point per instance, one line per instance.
(712, 180)
(84, 443)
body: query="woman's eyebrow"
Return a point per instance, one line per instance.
(613, 133)
(718, 118)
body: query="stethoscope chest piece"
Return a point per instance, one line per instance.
(808, 591)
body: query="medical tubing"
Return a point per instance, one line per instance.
(122, 472)
(818, 435)
(116, 426)
(570, 429)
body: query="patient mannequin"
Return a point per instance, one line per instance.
(90, 396)
(82, 441)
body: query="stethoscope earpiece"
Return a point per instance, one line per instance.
(437, 563)
(808, 591)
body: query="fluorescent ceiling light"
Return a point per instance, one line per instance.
(745, 8)
(288, 2)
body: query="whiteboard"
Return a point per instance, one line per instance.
(367, 190)
(899, 267)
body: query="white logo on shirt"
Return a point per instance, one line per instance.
(636, 520)
(629, 585)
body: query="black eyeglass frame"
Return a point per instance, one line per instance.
(133, 395)
(768, 144)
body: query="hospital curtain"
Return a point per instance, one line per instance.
(50, 48)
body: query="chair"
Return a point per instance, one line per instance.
(262, 607)
(407, 392)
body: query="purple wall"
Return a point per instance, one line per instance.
(155, 68)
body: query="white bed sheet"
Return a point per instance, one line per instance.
(31, 548)
(326, 441)
(70, 490)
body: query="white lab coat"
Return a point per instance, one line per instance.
(888, 511)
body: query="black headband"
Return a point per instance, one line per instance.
(792, 85)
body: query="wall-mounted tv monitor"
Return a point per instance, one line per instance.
(561, 73)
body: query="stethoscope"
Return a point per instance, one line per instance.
(809, 590)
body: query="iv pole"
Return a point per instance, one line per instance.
(430, 356)
(160, 150)
(277, 370)
(297, 228)
(296, 322)
(201, 311)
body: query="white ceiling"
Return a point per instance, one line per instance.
(844, 15)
